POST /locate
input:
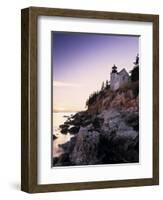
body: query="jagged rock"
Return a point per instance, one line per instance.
(97, 122)
(86, 122)
(74, 129)
(85, 150)
(63, 160)
(54, 137)
(64, 130)
(132, 119)
(69, 146)
(55, 160)
(113, 149)
(63, 126)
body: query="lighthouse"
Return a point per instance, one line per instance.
(118, 79)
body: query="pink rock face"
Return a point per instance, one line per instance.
(123, 99)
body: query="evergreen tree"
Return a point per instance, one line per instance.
(103, 86)
(92, 98)
(107, 84)
(135, 74)
(135, 71)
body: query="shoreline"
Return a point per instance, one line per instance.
(107, 132)
(90, 141)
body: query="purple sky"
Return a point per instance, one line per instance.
(81, 61)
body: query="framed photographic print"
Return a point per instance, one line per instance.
(90, 100)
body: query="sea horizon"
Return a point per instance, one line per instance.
(67, 111)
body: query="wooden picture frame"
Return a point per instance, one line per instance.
(29, 86)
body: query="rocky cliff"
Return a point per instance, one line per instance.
(107, 132)
(125, 99)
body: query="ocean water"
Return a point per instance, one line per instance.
(58, 119)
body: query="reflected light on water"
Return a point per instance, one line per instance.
(58, 119)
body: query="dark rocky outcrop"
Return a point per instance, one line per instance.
(54, 137)
(64, 128)
(74, 129)
(85, 149)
